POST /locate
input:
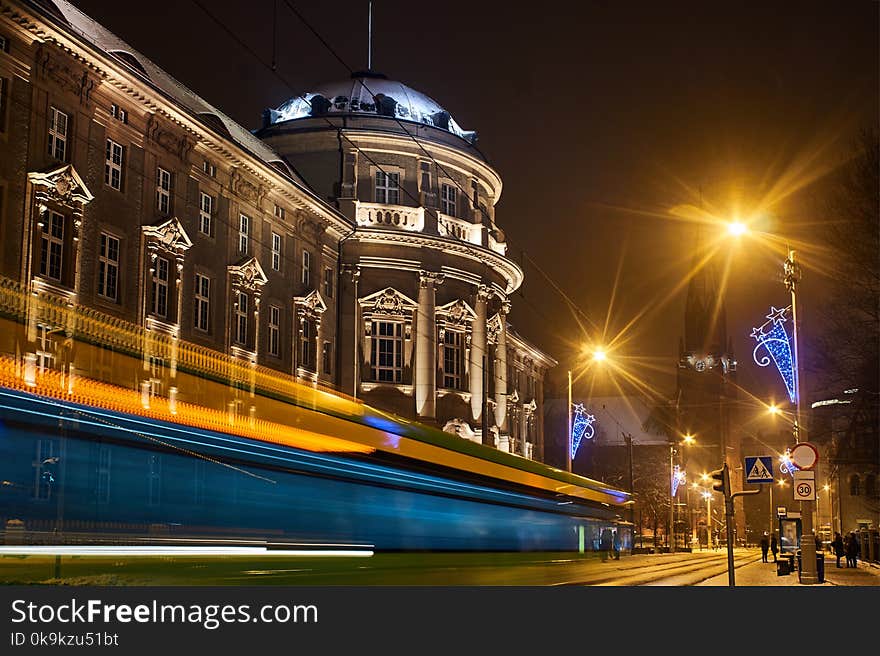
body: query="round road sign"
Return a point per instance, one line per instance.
(804, 455)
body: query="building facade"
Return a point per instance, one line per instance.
(124, 192)
(426, 279)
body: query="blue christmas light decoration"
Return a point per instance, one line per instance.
(778, 345)
(678, 477)
(786, 466)
(582, 427)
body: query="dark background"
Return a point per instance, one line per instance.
(609, 124)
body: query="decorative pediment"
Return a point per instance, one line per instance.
(457, 312)
(311, 302)
(62, 184)
(169, 235)
(248, 275)
(389, 301)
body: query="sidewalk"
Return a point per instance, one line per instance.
(764, 574)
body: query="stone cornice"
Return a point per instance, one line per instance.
(507, 268)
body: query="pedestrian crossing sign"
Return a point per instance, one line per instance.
(759, 469)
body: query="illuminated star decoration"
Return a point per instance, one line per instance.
(678, 477)
(778, 345)
(582, 428)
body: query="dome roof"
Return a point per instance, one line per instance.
(370, 93)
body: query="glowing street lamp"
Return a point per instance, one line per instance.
(737, 228)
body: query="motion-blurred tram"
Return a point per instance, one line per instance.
(231, 452)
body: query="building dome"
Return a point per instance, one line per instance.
(369, 93)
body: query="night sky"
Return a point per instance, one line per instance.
(601, 117)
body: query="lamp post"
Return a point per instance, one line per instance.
(708, 496)
(568, 447)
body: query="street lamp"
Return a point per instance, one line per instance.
(599, 356)
(707, 495)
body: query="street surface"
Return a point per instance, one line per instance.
(431, 569)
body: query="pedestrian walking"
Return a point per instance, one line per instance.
(837, 545)
(774, 546)
(616, 544)
(605, 543)
(765, 547)
(852, 550)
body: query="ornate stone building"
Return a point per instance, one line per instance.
(426, 280)
(123, 191)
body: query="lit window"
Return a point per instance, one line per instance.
(328, 282)
(387, 188)
(307, 345)
(52, 246)
(326, 353)
(45, 348)
(160, 287)
(163, 190)
(108, 266)
(244, 225)
(452, 358)
(202, 310)
(276, 251)
(306, 268)
(206, 211)
(274, 330)
(118, 113)
(447, 199)
(387, 351)
(279, 212)
(241, 322)
(209, 168)
(113, 165)
(58, 127)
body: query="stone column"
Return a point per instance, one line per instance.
(425, 374)
(477, 354)
(501, 368)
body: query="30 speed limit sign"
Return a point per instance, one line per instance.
(804, 486)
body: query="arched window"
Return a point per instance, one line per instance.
(854, 485)
(870, 485)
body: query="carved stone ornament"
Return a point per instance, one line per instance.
(168, 140)
(51, 66)
(62, 185)
(312, 303)
(457, 313)
(248, 275)
(245, 188)
(484, 293)
(433, 278)
(169, 235)
(493, 327)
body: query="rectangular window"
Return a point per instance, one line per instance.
(160, 287)
(241, 322)
(118, 113)
(45, 469)
(447, 199)
(387, 351)
(202, 309)
(52, 246)
(4, 44)
(102, 491)
(274, 330)
(163, 190)
(307, 268)
(209, 168)
(279, 212)
(45, 348)
(108, 266)
(58, 127)
(328, 282)
(154, 479)
(206, 212)
(326, 355)
(276, 251)
(244, 226)
(452, 357)
(113, 165)
(307, 345)
(387, 188)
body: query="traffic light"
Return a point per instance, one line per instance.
(722, 480)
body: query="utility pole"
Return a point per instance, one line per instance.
(671, 500)
(568, 428)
